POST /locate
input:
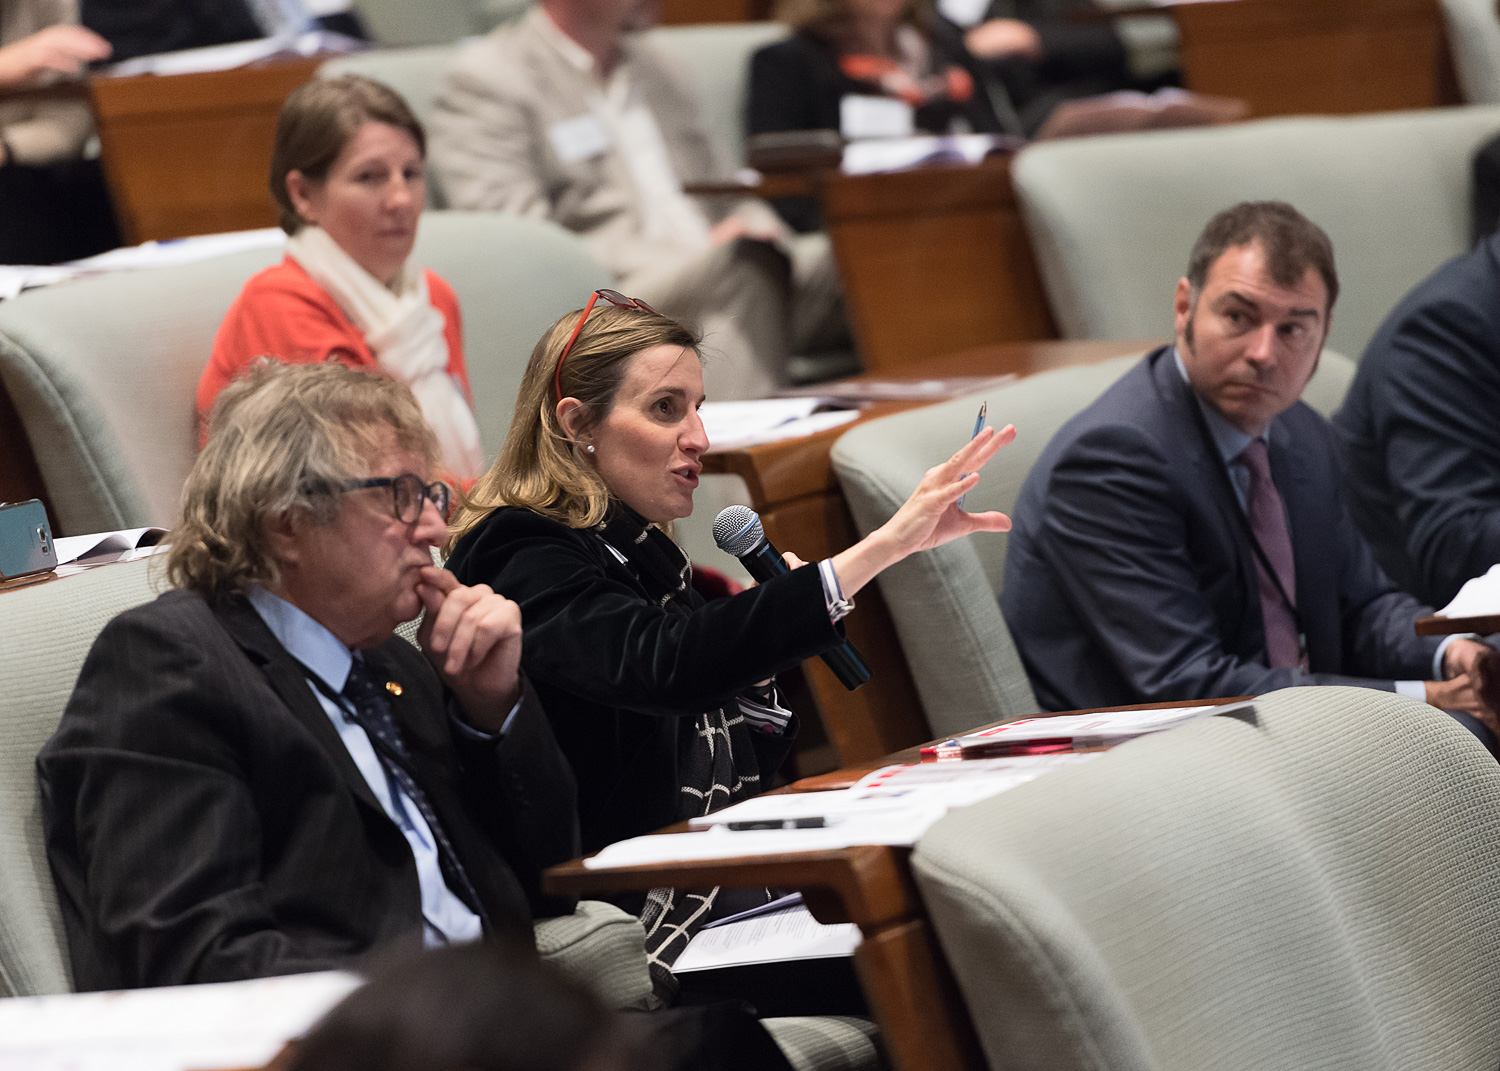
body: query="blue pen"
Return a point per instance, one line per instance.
(984, 408)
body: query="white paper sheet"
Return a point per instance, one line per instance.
(893, 154)
(732, 425)
(785, 935)
(1112, 724)
(179, 1028)
(103, 546)
(894, 805)
(1479, 597)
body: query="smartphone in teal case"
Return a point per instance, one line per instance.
(25, 540)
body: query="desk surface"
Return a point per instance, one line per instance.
(924, 1022)
(190, 153)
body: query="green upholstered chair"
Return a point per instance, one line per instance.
(1311, 886)
(1112, 219)
(104, 371)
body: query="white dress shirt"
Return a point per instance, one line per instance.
(446, 918)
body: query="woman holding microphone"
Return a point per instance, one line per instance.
(665, 705)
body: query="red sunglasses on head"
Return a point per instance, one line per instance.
(614, 297)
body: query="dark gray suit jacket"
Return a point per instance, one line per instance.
(1130, 576)
(205, 822)
(1420, 430)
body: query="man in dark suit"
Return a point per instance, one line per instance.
(1184, 537)
(253, 775)
(1421, 443)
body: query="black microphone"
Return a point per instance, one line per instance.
(737, 531)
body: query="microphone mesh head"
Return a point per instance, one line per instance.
(737, 530)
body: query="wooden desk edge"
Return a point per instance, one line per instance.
(1438, 625)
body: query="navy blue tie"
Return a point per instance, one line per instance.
(371, 711)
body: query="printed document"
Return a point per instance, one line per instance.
(791, 933)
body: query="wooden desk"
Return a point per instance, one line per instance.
(191, 153)
(793, 488)
(1437, 625)
(923, 1020)
(934, 260)
(1299, 57)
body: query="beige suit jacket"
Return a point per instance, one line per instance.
(41, 131)
(492, 148)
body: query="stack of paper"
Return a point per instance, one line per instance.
(1070, 732)
(732, 425)
(1479, 597)
(179, 1028)
(894, 805)
(77, 553)
(782, 930)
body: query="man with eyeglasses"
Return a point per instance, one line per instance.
(254, 775)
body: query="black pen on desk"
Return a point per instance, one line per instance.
(984, 408)
(780, 823)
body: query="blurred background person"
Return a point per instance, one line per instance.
(347, 172)
(571, 114)
(53, 202)
(867, 68)
(477, 1007)
(666, 706)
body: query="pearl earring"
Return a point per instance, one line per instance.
(589, 448)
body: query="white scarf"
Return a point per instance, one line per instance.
(405, 333)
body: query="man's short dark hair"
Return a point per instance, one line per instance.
(1292, 243)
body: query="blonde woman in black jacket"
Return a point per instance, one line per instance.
(665, 704)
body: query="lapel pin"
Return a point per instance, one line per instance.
(393, 687)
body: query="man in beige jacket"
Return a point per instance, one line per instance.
(570, 115)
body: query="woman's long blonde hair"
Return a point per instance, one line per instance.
(540, 466)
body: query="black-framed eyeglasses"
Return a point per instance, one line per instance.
(408, 492)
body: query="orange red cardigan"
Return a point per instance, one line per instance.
(283, 313)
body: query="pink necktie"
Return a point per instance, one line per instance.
(1268, 523)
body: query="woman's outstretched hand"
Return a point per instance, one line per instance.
(930, 517)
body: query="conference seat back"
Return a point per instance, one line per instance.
(45, 632)
(104, 371)
(1474, 41)
(945, 603)
(1112, 218)
(1310, 886)
(716, 58)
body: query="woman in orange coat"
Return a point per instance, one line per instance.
(347, 173)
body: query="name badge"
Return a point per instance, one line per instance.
(875, 117)
(578, 138)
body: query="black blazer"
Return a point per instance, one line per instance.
(622, 678)
(1420, 430)
(1130, 576)
(205, 822)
